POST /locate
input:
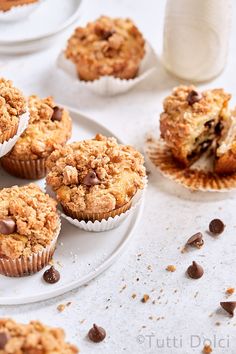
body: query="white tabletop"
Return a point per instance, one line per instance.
(183, 307)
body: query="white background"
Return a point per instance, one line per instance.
(171, 215)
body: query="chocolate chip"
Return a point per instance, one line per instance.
(97, 334)
(228, 306)
(107, 34)
(51, 275)
(193, 97)
(7, 226)
(195, 271)
(57, 114)
(4, 338)
(91, 179)
(216, 226)
(196, 240)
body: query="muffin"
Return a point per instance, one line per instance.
(32, 338)
(6, 5)
(225, 159)
(29, 227)
(49, 128)
(95, 179)
(12, 106)
(106, 47)
(192, 120)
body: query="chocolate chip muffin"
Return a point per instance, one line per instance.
(29, 227)
(32, 338)
(12, 106)
(106, 47)
(49, 128)
(6, 5)
(95, 179)
(192, 120)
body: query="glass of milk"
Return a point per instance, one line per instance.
(196, 36)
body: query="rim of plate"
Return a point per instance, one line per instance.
(104, 265)
(52, 33)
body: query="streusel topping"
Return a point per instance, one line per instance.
(35, 217)
(43, 134)
(12, 105)
(33, 338)
(96, 175)
(106, 47)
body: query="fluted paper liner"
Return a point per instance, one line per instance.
(29, 265)
(29, 169)
(7, 145)
(192, 178)
(19, 12)
(114, 218)
(109, 85)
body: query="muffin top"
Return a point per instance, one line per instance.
(28, 221)
(32, 338)
(12, 105)
(111, 46)
(96, 175)
(49, 127)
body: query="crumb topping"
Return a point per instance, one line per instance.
(106, 47)
(35, 216)
(116, 173)
(33, 338)
(43, 134)
(12, 105)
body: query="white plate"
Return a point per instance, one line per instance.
(80, 256)
(41, 29)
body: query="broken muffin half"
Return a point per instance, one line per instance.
(192, 121)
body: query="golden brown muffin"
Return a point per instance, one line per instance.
(12, 106)
(225, 160)
(32, 338)
(106, 47)
(96, 178)
(6, 5)
(49, 128)
(28, 226)
(191, 121)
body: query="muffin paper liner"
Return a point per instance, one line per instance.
(29, 265)
(194, 178)
(116, 217)
(29, 169)
(9, 133)
(109, 85)
(18, 13)
(6, 146)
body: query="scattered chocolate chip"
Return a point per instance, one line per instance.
(216, 226)
(196, 240)
(107, 34)
(7, 226)
(228, 306)
(193, 97)
(4, 338)
(51, 275)
(57, 114)
(97, 334)
(91, 179)
(195, 271)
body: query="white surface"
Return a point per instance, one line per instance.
(195, 33)
(31, 34)
(80, 256)
(171, 215)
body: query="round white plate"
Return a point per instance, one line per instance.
(80, 256)
(41, 28)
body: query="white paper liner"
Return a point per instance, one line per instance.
(32, 264)
(109, 85)
(18, 13)
(6, 146)
(104, 225)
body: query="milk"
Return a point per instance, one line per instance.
(196, 36)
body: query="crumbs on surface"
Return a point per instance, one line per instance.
(171, 268)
